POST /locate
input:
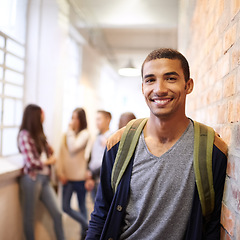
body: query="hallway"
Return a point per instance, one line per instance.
(54, 53)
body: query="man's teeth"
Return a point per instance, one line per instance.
(162, 101)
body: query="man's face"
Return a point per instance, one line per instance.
(102, 122)
(164, 87)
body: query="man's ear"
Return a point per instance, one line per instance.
(189, 86)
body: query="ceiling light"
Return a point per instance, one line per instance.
(129, 70)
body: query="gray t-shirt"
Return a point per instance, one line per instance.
(161, 191)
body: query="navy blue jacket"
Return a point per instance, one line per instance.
(109, 210)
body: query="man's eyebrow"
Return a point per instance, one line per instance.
(148, 75)
(171, 73)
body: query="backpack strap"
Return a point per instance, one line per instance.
(126, 149)
(203, 147)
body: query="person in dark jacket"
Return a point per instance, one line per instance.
(157, 197)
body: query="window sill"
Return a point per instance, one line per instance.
(10, 166)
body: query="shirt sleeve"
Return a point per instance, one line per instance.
(28, 150)
(77, 142)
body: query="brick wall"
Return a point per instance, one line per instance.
(209, 36)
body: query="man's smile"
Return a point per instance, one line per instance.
(161, 101)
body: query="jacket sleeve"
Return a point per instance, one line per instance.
(219, 174)
(103, 198)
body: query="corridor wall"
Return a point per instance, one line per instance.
(209, 35)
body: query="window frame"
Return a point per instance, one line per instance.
(4, 82)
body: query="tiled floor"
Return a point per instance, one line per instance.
(71, 227)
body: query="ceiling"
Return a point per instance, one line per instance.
(127, 29)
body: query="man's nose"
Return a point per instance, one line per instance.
(160, 86)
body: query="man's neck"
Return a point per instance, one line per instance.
(161, 135)
(166, 130)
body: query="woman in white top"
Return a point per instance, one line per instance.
(72, 166)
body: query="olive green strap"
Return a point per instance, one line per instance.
(126, 149)
(203, 147)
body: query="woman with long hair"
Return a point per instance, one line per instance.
(35, 180)
(72, 166)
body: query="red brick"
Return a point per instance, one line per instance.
(235, 7)
(238, 80)
(216, 92)
(210, 62)
(237, 137)
(229, 87)
(212, 76)
(222, 113)
(212, 6)
(238, 229)
(218, 51)
(223, 21)
(211, 118)
(227, 219)
(219, 7)
(223, 66)
(236, 193)
(235, 55)
(229, 38)
(210, 24)
(231, 169)
(226, 134)
(205, 82)
(238, 110)
(231, 112)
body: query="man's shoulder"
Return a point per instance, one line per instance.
(220, 144)
(115, 138)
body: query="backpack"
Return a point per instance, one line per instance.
(203, 147)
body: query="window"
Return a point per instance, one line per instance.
(13, 17)
(12, 65)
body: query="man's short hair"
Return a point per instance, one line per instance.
(169, 54)
(105, 113)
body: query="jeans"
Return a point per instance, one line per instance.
(68, 189)
(32, 191)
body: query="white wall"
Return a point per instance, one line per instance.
(45, 44)
(50, 84)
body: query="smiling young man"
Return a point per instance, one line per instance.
(157, 197)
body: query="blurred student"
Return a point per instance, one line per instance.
(125, 118)
(72, 166)
(102, 121)
(35, 180)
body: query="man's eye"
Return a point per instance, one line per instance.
(171, 79)
(150, 80)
